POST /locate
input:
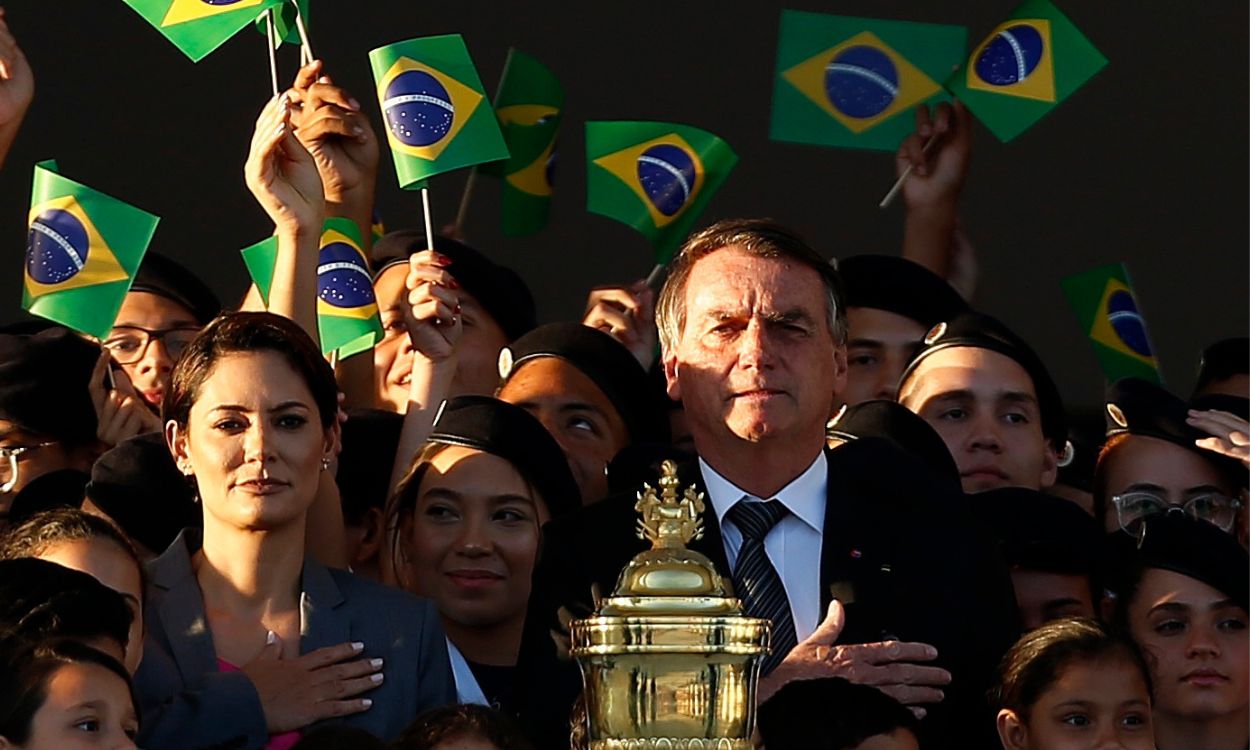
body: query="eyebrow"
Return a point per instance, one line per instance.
(448, 493)
(864, 344)
(280, 407)
(1018, 397)
(1176, 607)
(1143, 487)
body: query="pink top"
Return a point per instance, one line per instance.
(284, 741)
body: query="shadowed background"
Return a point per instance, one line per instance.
(1146, 163)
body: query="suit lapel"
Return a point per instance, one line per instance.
(181, 611)
(322, 620)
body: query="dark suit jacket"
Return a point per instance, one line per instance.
(903, 555)
(188, 704)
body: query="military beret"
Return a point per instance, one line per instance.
(43, 383)
(980, 331)
(498, 289)
(166, 278)
(1223, 359)
(608, 363)
(1197, 549)
(62, 488)
(1039, 531)
(900, 286)
(502, 429)
(829, 713)
(41, 600)
(1238, 406)
(370, 439)
(138, 485)
(896, 423)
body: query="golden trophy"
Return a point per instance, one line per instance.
(669, 662)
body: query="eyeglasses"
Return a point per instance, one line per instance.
(1133, 507)
(128, 344)
(8, 462)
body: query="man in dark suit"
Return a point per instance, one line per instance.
(868, 568)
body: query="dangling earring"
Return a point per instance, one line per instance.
(325, 464)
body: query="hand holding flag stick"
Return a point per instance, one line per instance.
(898, 184)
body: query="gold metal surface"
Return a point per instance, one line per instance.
(669, 662)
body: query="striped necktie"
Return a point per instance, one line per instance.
(756, 580)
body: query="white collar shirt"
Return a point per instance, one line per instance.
(793, 545)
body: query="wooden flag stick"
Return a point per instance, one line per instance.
(898, 184)
(273, 52)
(305, 46)
(429, 224)
(334, 359)
(463, 212)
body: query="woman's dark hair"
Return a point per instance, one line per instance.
(26, 668)
(40, 600)
(830, 714)
(403, 502)
(45, 530)
(1038, 659)
(239, 332)
(449, 722)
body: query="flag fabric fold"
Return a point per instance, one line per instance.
(83, 249)
(197, 27)
(1104, 302)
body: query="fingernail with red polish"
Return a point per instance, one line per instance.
(453, 284)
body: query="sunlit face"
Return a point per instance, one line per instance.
(151, 312)
(472, 538)
(477, 352)
(576, 413)
(112, 566)
(756, 360)
(1198, 644)
(1043, 596)
(254, 442)
(1140, 463)
(985, 407)
(87, 708)
(881, 344)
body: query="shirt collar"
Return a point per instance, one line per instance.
(804, 497)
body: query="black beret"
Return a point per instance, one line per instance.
(43, 383)
(1200, 550)
(899, 425)
(498, 289)
(980, 331)
(1039, 531)
(637, 463)
(370, 439)
(830, 712)
(138, 485)
(898, 285)
(62, 488)
(1223, 359)
(162, 276)
(499, 428)
(42, 600)
(1238, 406)
(605, 361)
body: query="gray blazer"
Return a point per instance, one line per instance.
(189, 705)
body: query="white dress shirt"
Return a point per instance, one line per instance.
(793, 545)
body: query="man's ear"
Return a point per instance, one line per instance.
(671, 373)
(370, 539)
(1050, 466)
(1011, 730)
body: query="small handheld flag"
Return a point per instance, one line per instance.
(1104, 302)
(197, 27)
(437, 117)
(1025, 67)
(347, 310)
(853, 82)
(654, 176)
(286, 30)
(528, 106)
(83, 249)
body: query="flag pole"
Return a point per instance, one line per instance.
(655, 275)
(273, 53)
(463, 212)
(429, 224)
(898, 184)
(334, 359)
(305, 46)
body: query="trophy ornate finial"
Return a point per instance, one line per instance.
(670, 519)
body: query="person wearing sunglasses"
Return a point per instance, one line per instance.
(1158, 459)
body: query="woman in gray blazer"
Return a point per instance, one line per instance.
(249, 641)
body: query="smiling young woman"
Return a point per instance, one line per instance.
(249, 640)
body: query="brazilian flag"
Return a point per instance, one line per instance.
(1104, 301)
(528, 106)
(83, 249)
(286, 31)
(197, 27)
(1025, 67)
(437, 116)
(855, 82)
(347, 311)
(654, 176)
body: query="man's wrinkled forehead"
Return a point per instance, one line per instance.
(733, 280)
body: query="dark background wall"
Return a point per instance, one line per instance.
(1147, 163)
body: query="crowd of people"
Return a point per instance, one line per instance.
(215, 538)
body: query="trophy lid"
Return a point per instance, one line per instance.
(670, 579)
